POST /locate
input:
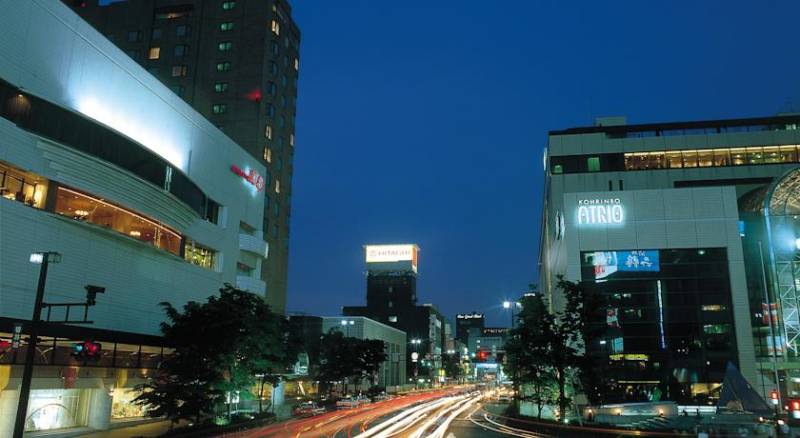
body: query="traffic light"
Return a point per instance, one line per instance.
(87, 350)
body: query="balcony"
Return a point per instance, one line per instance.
(250, 284)
(253, 244)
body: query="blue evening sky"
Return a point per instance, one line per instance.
(425, 122)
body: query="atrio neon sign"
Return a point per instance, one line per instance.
(603, 211)
(251, 177)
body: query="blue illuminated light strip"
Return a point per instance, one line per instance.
(661, 317)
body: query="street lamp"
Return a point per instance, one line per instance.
(511, 305)
(43, 259)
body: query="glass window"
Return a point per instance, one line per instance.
(705, 158)
(772, 154)
(722, 157)
(277, 188)
(755, 156)
(296, 64)
(85, 208)
(788, 154)
(221, 87)
(199, 255)
(179, 71)
(181, 30)
(276, 27)
(20, 186)
(155, 34)
(270, 111)
(713, 329)
(154, 53)
(281, 121)
(223, 66)
(276, 207)
(267, 155)
(225, 46)
(276, 48)
(738, 156)
(283, 101)
(180, 50)
(273, 68)
(674, 159)
(50, 409)
(689, 158)
(291, 140)
(268, 132)
(177, 89)
(392, 318)
(227, 6)
(272, 89)
(219, 108)
(558, 169)
(593, 164)
(134, 36)
(226, 26)
(122, 405)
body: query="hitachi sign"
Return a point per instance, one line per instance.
(600, 211)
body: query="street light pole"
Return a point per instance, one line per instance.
(27, 375)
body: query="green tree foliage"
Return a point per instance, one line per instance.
(452, 366)
(220, 347)
(342, 358)
(546, 350)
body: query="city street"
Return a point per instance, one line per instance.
(441, 414)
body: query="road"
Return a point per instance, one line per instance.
(342, 423)
(441, 414)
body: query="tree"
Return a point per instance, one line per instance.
(219, 347)
(345, 357)
(452, 366)
(546, 350)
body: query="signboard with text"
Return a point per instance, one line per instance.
(392, 257)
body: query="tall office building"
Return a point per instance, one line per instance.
(235, 62)
(467, 321)
(392, 300)
(672, 226)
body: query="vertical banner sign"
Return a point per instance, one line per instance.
(15, 339)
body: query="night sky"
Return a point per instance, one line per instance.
(425, 122)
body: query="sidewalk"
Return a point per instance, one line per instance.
(142, 430)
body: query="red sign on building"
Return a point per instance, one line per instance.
(252, 177)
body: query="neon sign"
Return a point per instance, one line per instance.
(600, 211)
(251, 177)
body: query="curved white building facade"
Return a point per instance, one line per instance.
(141, 195)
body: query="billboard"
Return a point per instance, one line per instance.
(392, 254)
(608, 262)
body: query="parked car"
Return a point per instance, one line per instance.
(308, 409)
(363, 400)
(380, 397)
(347, 403)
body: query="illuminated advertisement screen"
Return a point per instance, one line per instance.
(392, 254)
(608, 262)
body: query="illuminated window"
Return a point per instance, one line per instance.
(154, 53)
(85, 208)
(291, 140)
(674, 160)
(180, 50)
(392, 318)
(277, 187)
(227, 6)
(714, 307)
(276, 27)
(755, 156)
(221, 87)
(296, 64)
(722, 157)
(738, 156)
(181, 30)
(267, 155)
(225, 27)
(219, 108)
(689, 158)
(268, 132)
(225, 46)
(223, 66)
(788, 154)
(558, 169)
(199, 255)
(593, 164)
(179, 70)
(705, 158)
(21, 186)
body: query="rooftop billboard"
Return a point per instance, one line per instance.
(392, 255)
